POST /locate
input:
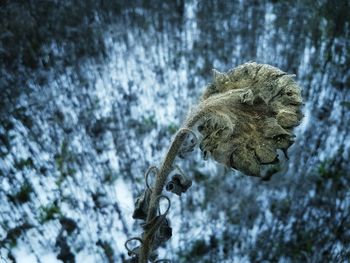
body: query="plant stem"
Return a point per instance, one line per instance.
(157, 190)
(161, 179)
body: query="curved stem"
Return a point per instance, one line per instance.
(162, 176)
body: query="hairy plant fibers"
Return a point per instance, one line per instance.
(250, 113)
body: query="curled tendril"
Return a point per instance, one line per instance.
(156, 221)
(153, 169)
(169, 204)
(132, 252)
(153, 234)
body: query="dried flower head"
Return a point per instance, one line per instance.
(250, 114)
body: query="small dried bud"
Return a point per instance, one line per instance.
(141, 205)
(250, 113)
(163, 234)
(179, 184)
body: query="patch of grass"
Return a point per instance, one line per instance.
(23, 163)
(62, 160)
(50, 212)
(109, 177)
(23, 195)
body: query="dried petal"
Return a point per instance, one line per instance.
(287, 118)
(250, 111)
(266, 154)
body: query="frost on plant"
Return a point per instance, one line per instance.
(251, 111)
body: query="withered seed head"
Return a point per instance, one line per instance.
(251, 111)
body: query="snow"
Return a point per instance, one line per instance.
(23, 254)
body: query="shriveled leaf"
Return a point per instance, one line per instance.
(250, 113)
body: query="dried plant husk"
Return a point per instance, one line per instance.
(250, 113)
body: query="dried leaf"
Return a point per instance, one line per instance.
(250, 113)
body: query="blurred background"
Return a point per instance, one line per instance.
(92, 92)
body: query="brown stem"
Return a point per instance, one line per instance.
(161, 179)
